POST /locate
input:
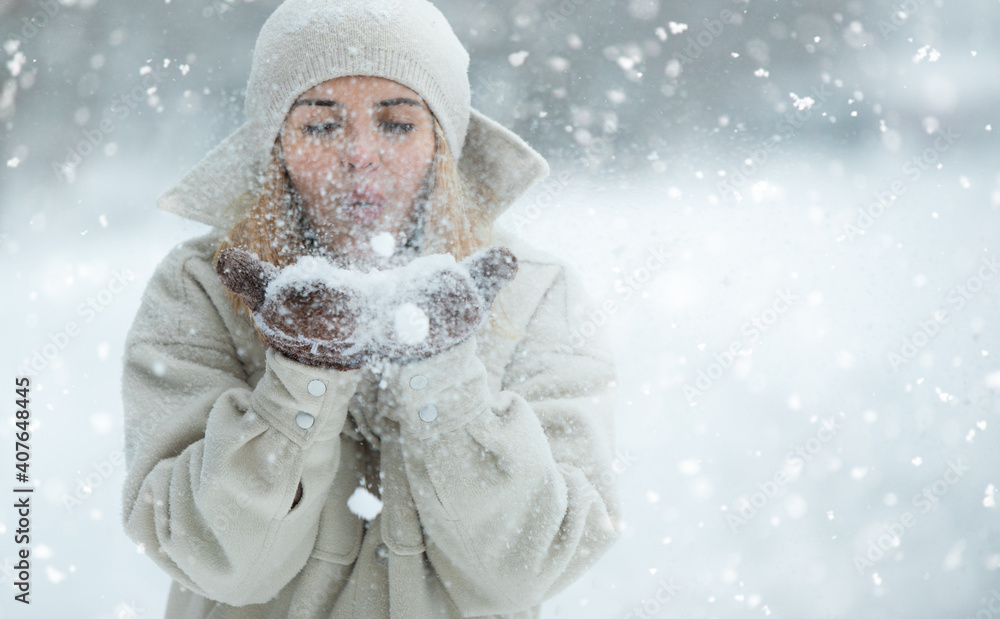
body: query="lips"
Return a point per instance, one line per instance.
(365, 205)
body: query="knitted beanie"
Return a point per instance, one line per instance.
(306, 42)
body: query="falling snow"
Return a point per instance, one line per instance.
(702, 168)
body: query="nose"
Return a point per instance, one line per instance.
(362, 151)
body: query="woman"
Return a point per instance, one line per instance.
(428, 357)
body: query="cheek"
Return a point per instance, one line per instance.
(311, 167)
(302, 158)
(413, 162)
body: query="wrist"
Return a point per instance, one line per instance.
(436, 394)
(304, 402)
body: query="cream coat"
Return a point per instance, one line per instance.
(501, 501)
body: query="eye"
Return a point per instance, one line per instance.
(398, 127)
(321, 128)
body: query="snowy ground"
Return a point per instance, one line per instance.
(831, 307)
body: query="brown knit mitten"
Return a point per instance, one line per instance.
(328, 317)
(302, 316)
(435, 303)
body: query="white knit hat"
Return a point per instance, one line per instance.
(306, 42)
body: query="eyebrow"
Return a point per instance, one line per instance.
(398, 101)
(330, 103)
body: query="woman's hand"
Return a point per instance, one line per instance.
(432, 310)
(403, 314)
(306, 320)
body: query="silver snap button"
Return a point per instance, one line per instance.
(382, 553)
(316, 388)
(304, 419)
(418, 382)
(428, 412)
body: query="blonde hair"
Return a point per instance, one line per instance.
(271, 225)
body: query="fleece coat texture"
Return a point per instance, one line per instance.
(500, 501)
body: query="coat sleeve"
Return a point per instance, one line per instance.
(514, 490)
(213, 465)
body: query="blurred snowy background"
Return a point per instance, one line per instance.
(787, 209)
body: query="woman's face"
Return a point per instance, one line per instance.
(357, 150)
